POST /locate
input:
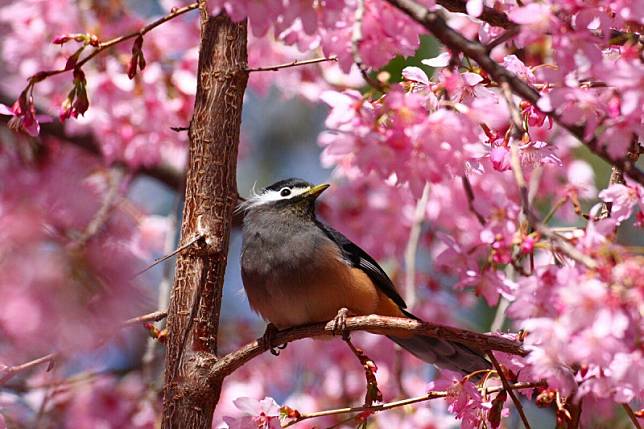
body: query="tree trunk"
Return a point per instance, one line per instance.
(211, 194)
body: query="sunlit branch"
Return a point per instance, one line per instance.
(455, 41)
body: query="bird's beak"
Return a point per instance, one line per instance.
(316, 190)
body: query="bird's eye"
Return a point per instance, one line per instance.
(285, 192)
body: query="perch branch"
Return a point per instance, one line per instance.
(372, 323)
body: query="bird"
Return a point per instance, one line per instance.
(297, 270)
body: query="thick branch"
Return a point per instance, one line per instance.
(211, 195)
(499, 19)
(373, 323)
(455, 41)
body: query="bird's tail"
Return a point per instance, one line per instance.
(442, 353)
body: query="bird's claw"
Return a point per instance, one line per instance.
(267, 339)
(340, 323)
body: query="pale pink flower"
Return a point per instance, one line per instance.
(258, 414)
(623, 198)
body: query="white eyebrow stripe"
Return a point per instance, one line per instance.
(269, 196)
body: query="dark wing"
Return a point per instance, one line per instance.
(361, 259)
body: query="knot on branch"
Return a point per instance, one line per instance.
(195, 384)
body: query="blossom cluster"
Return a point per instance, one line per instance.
(444, 130)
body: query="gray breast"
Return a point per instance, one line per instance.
(279, 245)
(281, 255)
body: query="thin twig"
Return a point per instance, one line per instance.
(507, 35)
(403, 402)
(294, 63)
(170, 255)
(399, 370)
(508, 388)
(617, 175)
(412, 246)
(469, 193)
(8, 373)
(115, 41)
(631, 415)
(155, 316)
(373, 393)
(148, 359)
(499, 315)
(556, 206)
(557, 241)
(115, 176)
(455, 41)
(356, 40)
(584, 83)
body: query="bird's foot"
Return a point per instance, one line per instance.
(267, 339)
(340, 323)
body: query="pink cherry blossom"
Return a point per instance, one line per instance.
(623, 198)
(262, 414)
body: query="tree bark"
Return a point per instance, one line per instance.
(211, 194)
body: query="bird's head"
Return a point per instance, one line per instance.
(291, 195)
